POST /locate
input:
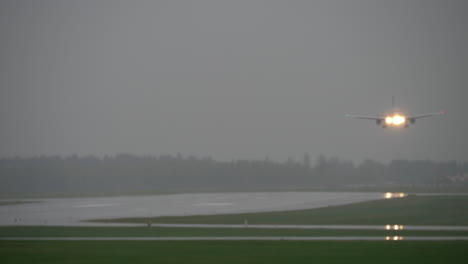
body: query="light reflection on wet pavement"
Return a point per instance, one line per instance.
(238, 238)
(71, 211)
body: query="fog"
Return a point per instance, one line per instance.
(232, 79)
(129, 175)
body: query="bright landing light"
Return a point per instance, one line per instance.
(389, 120)
(398, 120)
(395, 120)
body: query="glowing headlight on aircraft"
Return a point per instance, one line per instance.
(388, 120)
(395, 120)
(398, 120)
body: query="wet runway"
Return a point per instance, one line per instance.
(72, 211)
(461, 238)
(335, 227)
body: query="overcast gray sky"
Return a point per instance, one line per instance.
(232, 79)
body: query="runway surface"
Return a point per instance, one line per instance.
(73, 211)
(393, 238)
(248, 226)
(336, 227)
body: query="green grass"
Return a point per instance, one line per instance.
(231, 252)
(198, 232)
(412, 210)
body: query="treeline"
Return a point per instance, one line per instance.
(130, 174)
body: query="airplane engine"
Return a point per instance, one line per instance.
(378, 122)
(412, 120)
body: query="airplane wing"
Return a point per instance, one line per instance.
(426, 115)
(366, 117)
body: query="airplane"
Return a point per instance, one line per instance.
(396, 118)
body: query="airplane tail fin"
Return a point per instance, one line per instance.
(393, 102)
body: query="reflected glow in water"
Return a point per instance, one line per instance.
(395, 238)
(394, 227)
(71, 211)
(390, 195)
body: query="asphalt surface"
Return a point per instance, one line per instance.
(394, 238)
(337, 227)
(73, 211)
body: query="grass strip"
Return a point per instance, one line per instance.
(232, 252)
